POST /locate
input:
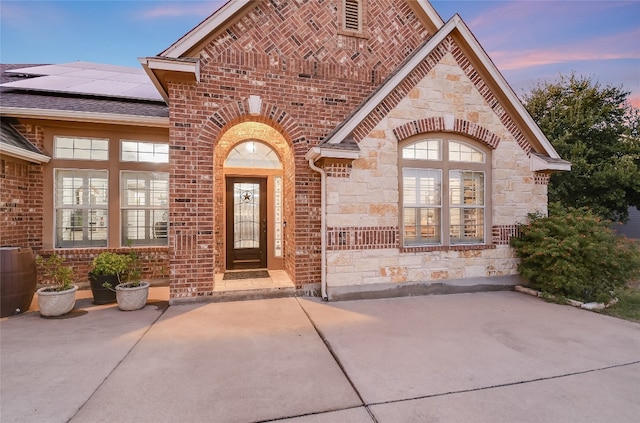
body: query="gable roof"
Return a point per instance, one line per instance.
(343, 132)
(230, 9)
(180, 57)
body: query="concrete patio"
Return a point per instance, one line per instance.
(482, 357)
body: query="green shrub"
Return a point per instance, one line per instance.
(574, 254)
(55, 272)
(108, 263)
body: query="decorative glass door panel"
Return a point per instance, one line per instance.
(246, 223)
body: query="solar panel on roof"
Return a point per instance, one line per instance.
(87, 78)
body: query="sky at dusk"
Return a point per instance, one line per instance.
(529, 40)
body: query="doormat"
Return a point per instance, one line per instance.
(249, 274)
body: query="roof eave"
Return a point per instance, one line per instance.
(431, 13)
(505, 88)
(206, 27)
(153, 66)
(317, 153)
(392, 83)
(22, 154)
(455, 23)
(91, 117)
(540, 164)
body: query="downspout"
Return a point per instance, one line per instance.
(323, 229)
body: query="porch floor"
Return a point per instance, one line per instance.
(278, 280)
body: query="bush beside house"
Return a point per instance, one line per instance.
(574, 254)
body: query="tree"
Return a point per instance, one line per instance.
(597, 130)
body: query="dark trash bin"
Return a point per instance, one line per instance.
(18, 280)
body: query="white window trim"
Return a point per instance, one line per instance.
(57, 206)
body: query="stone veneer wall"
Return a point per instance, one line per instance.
(363, 206)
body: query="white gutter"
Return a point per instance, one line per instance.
(93, 117)
(21, 153)
(323, 228)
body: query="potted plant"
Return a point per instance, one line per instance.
(59, 296)
(131, 293)
(109, 270)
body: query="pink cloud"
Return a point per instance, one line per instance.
(615, 47)
(187, 8)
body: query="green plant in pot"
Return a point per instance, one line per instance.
(131, 292)
(58, 296)
(108, 270)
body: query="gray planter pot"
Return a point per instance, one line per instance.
(56, 303)
(132, 297)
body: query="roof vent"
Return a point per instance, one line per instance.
(352, 15)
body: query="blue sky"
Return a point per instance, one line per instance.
(529, 41)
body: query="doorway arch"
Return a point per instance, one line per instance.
(255, 153)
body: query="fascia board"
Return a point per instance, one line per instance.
(91, 117)
(20, 153)
(152, 64)
(431, 13)
(154, 79)
(538, 164)
(391, 85)
(197, 34)
(505, 88)
(159, 63)
(317, 153)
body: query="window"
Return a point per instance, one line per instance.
(139, 151)
(81, 208)
(81, 148)
(253, 154)
(443, 200)
(422, 205)
(145, 208)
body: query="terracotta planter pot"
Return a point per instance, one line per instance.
(132, 297)
(56, 303)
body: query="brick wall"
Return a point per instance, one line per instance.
(21, 197)
(154, 261)
(309, 79)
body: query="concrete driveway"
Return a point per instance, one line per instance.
(482, 357)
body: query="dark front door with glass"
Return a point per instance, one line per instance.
(246, 223)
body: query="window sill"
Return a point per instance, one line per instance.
(464, 247)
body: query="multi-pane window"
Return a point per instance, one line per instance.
(81, 208)
(253, 154)
(144, 207)
(443, 193)
(466, 207)
(81, 148)
(422, 205)
(142, 151)
(88, 212)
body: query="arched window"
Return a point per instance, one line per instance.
(444, 191)
(253, 154)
